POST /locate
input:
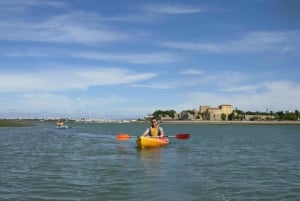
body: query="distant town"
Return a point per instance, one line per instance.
(224, 112)
(205, 113)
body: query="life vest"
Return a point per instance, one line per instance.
(59, 123)
(154, 132)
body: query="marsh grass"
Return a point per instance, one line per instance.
(15, 123)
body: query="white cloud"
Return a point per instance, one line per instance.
(276, 96)
(191, 72)
(264, 41)
(66, 79)
(254, 42)
(194, 46)
(241, 88)
(73, 27)
(279, 95)
(163, 85)
(59, 103)
(29, 3)
(134, 58)
(173, 9)
(221, 81)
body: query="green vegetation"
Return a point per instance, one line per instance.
(15, 123)
(287, 115)
(189, 111)
(280, 115)
(238, 115)
(223, 116)
(170, 113)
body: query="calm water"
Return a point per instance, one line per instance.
(219, 162)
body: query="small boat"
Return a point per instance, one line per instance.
(60, 125)
(150, 142)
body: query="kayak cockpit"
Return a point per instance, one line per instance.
(152, 142)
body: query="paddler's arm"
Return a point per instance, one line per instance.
(162, 133)
(146, 133)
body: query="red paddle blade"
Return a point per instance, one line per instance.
(123, 136)
(183, 136)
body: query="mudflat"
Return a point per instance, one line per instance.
(15, 123)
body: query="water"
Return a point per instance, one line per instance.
(218, 162)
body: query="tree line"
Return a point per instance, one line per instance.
(280, 115)
(239, 115)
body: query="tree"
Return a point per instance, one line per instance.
(297, 114)
(223, 116)
(231, 116)
(162, 113)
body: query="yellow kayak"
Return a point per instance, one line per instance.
(150, 142)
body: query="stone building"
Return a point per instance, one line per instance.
(203, 108)
(215, 114)
(189, 115)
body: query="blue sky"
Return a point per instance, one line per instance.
(125, 59)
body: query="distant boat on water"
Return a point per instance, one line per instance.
(60, 125)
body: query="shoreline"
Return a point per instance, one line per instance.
(232, 122)
(15, 123)
(25, 123)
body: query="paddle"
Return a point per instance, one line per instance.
(125, 136)
(181, 136)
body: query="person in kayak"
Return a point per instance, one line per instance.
(154, 130)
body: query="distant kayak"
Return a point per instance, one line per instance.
(149, 142)
(61, 125)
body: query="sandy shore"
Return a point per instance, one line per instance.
(233, 122)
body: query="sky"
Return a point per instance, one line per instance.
(129, 58)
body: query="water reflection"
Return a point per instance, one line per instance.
(123, 148)
(151, 159)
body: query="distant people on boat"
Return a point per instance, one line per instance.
(59, 123)
(154, 130)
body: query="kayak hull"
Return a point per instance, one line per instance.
(149, 142)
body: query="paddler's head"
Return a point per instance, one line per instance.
(154, 122)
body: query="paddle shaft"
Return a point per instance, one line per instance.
(125, 136)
